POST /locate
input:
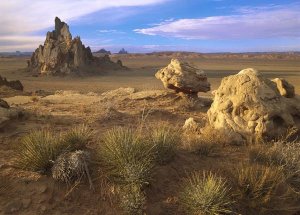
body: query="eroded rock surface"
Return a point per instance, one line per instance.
(182, 77)
(61, 54)
(16, 85)
(284, 87)
(252, 106)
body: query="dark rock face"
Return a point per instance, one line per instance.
(123, 51)
(16, 85)
(103, 51)
(61, 54)
(4, 104)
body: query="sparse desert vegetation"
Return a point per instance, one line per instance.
(125, 151)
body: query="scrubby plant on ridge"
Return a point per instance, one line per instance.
(283, 155)
(257, 185)
(128, 159)
(165, 141)
(77, 137)
(39, 149)
(204, 193)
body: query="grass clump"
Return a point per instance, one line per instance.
(258, 185)
(285, 155)
(129, 159)
(76, 138)
(165, 141)
(205, 194)
(38, 151)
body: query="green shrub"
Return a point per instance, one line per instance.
(257, 185)
(38, 150)
(76, 138)
(128, 159)
(165, 141)
(205, 193)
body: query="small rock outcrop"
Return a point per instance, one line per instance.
(252, 106)
(3, 104)
(285, 88)
(123, 51)
(182, 77)
(103, 51)
(16, 85)
(61, 54)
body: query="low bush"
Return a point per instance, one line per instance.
(127, 158)
(258, 185)
(205, 193)
(38, 150)
(165, 141)
(76, 138)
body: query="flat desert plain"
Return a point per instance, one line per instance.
(141, 72)
(147, 109)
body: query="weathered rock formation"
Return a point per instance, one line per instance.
(103, 51)
(123, 51)
(61, 54)
(3, 104)
(182, 77)
(253, 106)
(16, 85)
(285, 88)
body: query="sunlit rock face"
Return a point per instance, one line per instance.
(61, 54)
(182, 77)
(251, 106)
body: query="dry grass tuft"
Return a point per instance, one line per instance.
(76, 138)
(258, 185)
(165, 141)
(128, 159)
(38, 151)
(205, 193)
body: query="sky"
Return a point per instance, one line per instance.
(142, 26)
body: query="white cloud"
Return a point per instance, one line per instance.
(249, 23)
(20, 18)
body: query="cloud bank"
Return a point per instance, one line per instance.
(249, 23)
(21, 18)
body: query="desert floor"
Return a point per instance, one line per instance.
(33, 193)
(142, 70)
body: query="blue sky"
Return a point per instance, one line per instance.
(156, 25)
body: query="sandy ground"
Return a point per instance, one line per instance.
(142, 70)
(33, 193)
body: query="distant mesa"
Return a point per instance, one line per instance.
(123, 51)
(103, 51)
(61, 55)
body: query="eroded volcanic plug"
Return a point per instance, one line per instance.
(61, 55)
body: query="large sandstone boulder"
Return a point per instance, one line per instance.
(182, 77)
(16, 85)
(61, 54)
(252, 106)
